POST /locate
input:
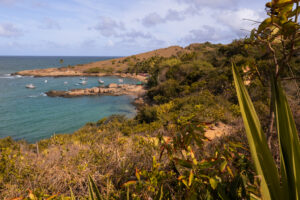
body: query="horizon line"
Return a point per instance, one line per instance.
(58, 56)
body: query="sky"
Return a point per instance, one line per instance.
(120, 27)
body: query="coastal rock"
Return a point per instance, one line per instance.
(113, 85)
(95, 90)
(138, 101)
(54, 93)
(113, 89)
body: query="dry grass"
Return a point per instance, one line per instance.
(66, 161)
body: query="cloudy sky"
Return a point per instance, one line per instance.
(120, 27)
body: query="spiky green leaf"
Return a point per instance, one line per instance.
(288, 140)
(261, 155)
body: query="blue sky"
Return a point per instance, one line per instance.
(120, 27)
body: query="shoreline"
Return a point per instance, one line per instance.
(55, 72)
(112, 89)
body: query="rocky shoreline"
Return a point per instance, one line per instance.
(112, 89)
(59, 72)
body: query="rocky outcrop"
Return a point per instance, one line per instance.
(112, 89)
(138, 102)
(59, 72)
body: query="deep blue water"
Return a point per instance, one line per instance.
(29, 114)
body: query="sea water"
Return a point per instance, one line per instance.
(31, 115)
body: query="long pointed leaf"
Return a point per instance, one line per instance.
(91, 194)
(72, 194)
(289, 142)
(261, 155)
(94, 189)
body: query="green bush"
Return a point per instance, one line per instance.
(94, 70)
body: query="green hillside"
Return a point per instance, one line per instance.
(151, 156)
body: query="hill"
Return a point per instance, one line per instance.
(117, 66)
(186, 142)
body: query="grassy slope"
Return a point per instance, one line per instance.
(121, 64)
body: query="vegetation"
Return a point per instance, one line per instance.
(271, 187)
(95, 70)
(164, 152)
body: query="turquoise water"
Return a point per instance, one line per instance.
(29, 114)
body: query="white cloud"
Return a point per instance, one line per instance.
(237, 20)
(204, 34)
(9, 30)
(125, 26)
(109, 27)
(152, 19)
(110, 43)
(228, 4)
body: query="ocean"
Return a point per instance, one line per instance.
(31, 115)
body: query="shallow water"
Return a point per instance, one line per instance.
(31, 115)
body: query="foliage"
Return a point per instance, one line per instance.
(98, 70)
(271, 186)
(162, 153)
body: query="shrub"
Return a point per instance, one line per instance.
(94, 70)
(147, 114)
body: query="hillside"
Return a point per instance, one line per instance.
(186, 142)
(117, 66)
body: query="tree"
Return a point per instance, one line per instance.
(61, 61)
(280, 34)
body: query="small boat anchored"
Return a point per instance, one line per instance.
(100, 81)
(30, 86)
(83, 82)
(121, 80)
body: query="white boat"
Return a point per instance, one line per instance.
(66, 82)
(100, 81)
(30, 86)
(46, 81)
(83, 78)
(83, 82)
(121, 80)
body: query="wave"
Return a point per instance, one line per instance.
(9, 76)
(42, 94)
(33, 96)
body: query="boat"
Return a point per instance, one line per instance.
(83, 82)
(30, 86)
(100, 81)
(83, 78)
(46, 81)
(66, 82)
(121, 80)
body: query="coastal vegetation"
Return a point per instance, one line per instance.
(98, 70)
(164, 152)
